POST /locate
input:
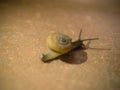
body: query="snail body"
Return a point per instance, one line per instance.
(60, 44)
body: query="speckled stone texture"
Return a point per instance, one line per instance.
(24, 26)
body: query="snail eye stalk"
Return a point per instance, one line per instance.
(79, 38)
(90, 39)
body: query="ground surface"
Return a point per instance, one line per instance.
(24, 26)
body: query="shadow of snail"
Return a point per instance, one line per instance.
(62, 47)
(77, 56)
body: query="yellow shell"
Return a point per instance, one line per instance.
(59, 42)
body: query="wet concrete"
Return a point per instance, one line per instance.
(24, 26)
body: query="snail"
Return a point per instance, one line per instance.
(60, 44)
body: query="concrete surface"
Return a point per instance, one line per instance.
(24, 26)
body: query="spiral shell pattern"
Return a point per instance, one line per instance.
(59, 42)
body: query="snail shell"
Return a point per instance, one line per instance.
(59, 42)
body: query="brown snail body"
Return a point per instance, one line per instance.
(61, 44)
